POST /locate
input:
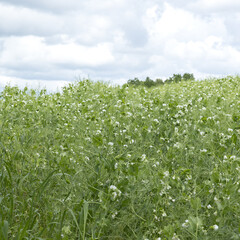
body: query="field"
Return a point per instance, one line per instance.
(108, 162)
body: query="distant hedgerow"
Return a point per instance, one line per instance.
(151, 83)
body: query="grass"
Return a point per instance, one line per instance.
(104, 162)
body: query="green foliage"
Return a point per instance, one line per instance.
(149, 82)
(135, 82)
(187, 77)
(176, 78)
(103, 162)
(159, 81)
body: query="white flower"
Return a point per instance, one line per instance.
(177, 145)
(110, 143)
(114, 214)
(209, 206)
(166, 173)
(115, 192)
(112, 187)
(215, 227)
(114, 195)
(164, 214)
(175, 237)
(185, 224)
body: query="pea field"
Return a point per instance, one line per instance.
(103, 162)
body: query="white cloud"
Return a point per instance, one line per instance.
(21, 21)
(62, 6)
(32, 52)
(21, 51)
(181, 25)
(53, 5)
(216, 5)
(84, 27)
(80, 55)
(206, 54)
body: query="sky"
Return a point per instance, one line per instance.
(49, 43)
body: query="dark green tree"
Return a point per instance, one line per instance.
(134, 82)
(177, 78)
(169, 80)
(149, 82)
(159, 81)
(188, 76)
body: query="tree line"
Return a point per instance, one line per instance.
(151, 83)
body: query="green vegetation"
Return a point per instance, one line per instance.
(104, 162)
(151, 83)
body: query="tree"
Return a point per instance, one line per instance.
(135, 82)
(169, 80)
(159, 81)
(149, 82)
(177, 77)
(188, 76)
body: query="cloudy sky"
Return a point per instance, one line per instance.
(52, 42)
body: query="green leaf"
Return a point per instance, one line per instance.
(85, 214)
(219, 205)
(234, 138)
(5, 229)
(196, 203)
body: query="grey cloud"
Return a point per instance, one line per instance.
(1, 45)
(49, 75)
(83, 22)
(134, 31)
(56, 6)
(23, 21)
(232, 23)
(62, 6)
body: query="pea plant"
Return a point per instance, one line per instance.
(96, 161)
